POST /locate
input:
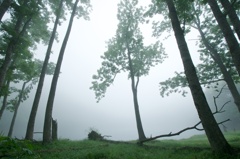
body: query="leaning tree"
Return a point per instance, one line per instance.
(213, 132)
(81, 11)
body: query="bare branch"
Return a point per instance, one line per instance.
(173, 134)
(196, 125)
(213, 81)
(215, 102)
(179, 132)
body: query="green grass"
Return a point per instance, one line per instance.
(196, 147)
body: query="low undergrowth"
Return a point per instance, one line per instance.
(196, 147)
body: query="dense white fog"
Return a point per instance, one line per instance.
(75, 107)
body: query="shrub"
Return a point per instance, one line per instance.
(94, 135)
(14, 148)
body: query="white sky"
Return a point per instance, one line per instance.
(75, 107)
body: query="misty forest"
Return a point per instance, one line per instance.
(120, 79)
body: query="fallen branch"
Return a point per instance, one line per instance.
(195, 126)
(179, 132)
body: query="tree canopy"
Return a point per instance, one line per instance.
(128, 40)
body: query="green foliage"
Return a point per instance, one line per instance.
(126, 51)
(172, 85)
(208, 71)
(27, 71)
(194, 147)
(184, 11)
(14, 148)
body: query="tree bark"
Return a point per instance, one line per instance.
(48, 115)
(16, 109)
(227, 32)
(141, 134)
(215, 137)
(32, 117)
(216, 57)
(231, 12)
(4, 104)
(4, 7)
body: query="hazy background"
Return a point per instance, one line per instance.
(75, 107)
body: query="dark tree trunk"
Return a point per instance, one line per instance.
(4, 7)
(231, 12)
(213, 132)
(134, 86)
(4, 104)
(227, 32)
(216, 57)
(32, 117)
(48, 115)
(16, 109)
(141, 134)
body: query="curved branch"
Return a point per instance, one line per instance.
(179, 132)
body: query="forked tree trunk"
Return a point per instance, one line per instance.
(227, 32)
(32, 117)
(141, 134)
(48, 115)
(215, 137)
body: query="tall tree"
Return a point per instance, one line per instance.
(48, 115)
(126, 52)
(19, 31)
(213, 132)
(27, 71)
(231, 40)
(231, 12)
(32, 117)
(216, 63)
(217, 58)
(28, 21)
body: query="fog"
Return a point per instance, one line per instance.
(75, 106)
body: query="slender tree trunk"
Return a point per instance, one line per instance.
(16, 109)
(4, 104)
(4, 7)
(141, 134)
(216, 57)
(48, 115)
(213, 132)
(231, 12)
(227, 32)
(32, 117)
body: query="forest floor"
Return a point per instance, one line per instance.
(196, 147)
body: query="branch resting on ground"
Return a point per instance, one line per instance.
(195, 126)
(179, 132)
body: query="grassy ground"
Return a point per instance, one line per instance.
(196, 147)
